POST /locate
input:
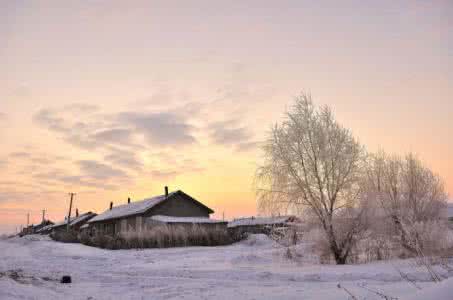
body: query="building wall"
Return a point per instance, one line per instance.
(109, 227)
(60, 229)
(176, 206)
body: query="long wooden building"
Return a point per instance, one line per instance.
(133, 215)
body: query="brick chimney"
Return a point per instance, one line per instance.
(111, 205)
(166, 191)
(128, 200)
(77, 212)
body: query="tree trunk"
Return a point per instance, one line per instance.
(339, 256)
(341, 260)
(404, 240)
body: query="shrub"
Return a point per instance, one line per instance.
(101, 241)
(85, 239)
(65, 236)
(320, 245)
(163, 237)
(430, 237)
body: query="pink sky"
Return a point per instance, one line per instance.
(113, 100)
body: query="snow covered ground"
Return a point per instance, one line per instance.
(31, 267)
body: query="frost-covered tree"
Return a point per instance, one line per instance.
(409, 193)
(311, 161)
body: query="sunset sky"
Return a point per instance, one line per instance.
(116, 99)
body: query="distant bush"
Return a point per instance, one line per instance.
(163, 237)
(65, 236)
(101, 241)
(85, 239)
(433, 239)
(319, 245)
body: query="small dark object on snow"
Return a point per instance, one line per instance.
(65, 279)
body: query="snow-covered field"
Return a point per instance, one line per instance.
(31, 267)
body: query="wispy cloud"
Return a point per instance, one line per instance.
(114, 136)
(47, 159)
(160, 128)
(97, 170)
(155, 128)
(50, 120)
(231, 134)
(173, 172)
(248, 146)
(20, 154)
(81, 108)
(83, 182)
(124, 158)
(64, 178)
(121, 138)
(164, 174)
(89, 131)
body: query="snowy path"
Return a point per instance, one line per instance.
(254, 269)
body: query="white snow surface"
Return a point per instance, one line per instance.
(129, 209)
(439, 291)
(258, 221)
(252, 269)
(170, 219)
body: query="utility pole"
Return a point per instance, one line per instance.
(43, 215)
(28, 223)
(223, 215)
(70, 208)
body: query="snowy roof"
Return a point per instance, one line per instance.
(193, 220)
(130, 209)
(45, 228)
(83, 217)
(76, 220)
(86, 225)
(260, 221)
(42, 225)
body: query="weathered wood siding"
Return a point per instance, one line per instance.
(178, 206)
(151, 223)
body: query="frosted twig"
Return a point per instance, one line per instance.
(347, 291)
(406, 277)
(383, 296)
